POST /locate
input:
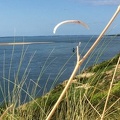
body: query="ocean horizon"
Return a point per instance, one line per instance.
(49, 60)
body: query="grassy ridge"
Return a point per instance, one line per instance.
(85, 98)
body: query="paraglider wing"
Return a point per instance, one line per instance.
(70, 21)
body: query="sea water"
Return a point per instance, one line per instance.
(50, 63)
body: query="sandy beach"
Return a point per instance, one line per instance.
(23, 43)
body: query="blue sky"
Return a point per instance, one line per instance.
(38, 17)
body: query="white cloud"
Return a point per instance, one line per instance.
(101, 2)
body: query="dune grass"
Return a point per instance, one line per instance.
(93, 94)
(85, 99)
(13, 97)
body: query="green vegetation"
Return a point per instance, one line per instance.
(85, 98)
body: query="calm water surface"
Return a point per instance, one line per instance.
(48, 63)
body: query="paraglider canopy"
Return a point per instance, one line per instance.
(70, 21)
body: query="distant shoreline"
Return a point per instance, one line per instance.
(114, 35)
(23, 43)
